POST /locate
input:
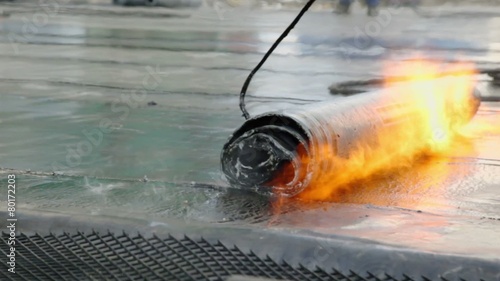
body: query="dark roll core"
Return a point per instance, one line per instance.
(254, 155)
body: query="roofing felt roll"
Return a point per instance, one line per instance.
(284, 152)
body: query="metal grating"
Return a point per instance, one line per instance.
(96, 256)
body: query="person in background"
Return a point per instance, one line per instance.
(344, 5)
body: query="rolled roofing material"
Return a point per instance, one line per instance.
(259, 150)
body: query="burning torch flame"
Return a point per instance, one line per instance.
(440, 107)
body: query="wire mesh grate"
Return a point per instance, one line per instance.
(97, 256)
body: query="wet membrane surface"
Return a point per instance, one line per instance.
(131, 115)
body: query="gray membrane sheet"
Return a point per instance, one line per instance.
(157, 169)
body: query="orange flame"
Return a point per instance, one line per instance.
(441, 103)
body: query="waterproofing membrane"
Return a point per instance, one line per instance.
(256, 152)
